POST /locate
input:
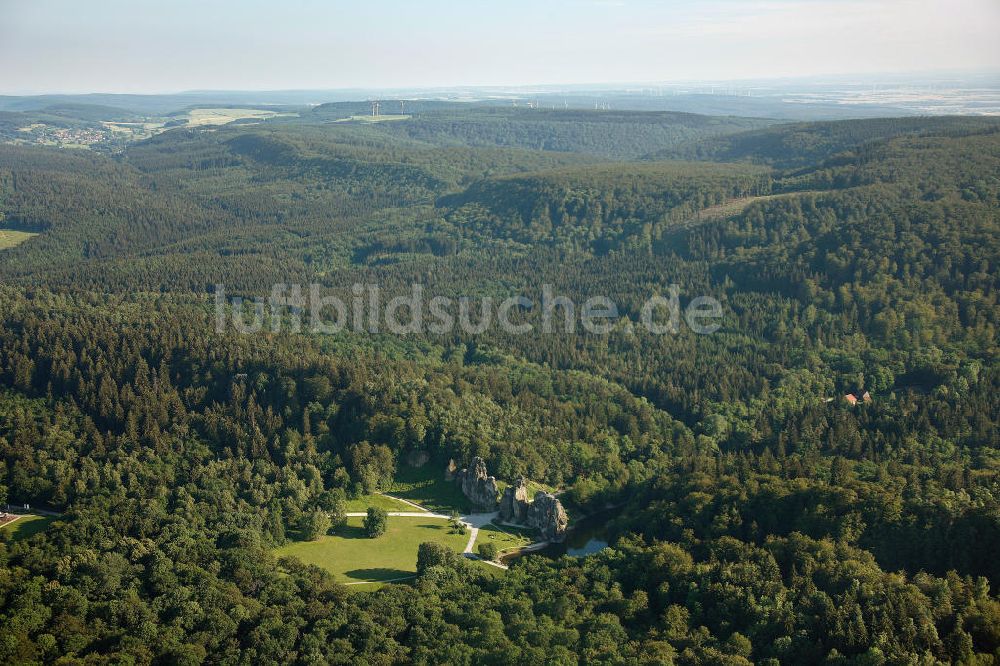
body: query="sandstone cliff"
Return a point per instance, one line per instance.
(478, 486)
(546, 513)
(514, 503)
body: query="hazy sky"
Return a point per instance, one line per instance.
(173, 45)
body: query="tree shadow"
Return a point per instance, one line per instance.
(377, 574)
(350, 532)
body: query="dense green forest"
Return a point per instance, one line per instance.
(759, 517)
(621, 134)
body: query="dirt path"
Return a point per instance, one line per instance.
(388, 580)
(472, 522)
(475, 521)
(473, 535)
(13, 520)
(405, 501)
(404, 514)
(532, 547)
(498, 565)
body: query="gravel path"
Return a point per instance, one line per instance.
(405, 501)
(472, 522)
(405, 514)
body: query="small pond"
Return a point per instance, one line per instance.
(587, 536)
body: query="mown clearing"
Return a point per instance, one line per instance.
(353, 558)
(26, 526)
(736, 206)
(505, 538)
(197, 117)
(10, 238)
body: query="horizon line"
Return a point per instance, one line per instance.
(813, 78)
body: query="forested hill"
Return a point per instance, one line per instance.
(599, 208)
(617, 134)
(803, 144)
(763, 517)
(254, 189)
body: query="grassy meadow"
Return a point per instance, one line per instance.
(26, 526)
(427, 487)
(380, 501)
(353, 558)
(10, 238)
(505, 538)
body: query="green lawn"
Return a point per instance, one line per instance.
(381, 501)
(11, 238)
(352, 557)
(27, 526)
(504, 537)
(489, 570)
(426, 486)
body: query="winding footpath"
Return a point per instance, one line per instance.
(404, 514)
(406, 501)
(473, 522)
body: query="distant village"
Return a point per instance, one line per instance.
(39, 133)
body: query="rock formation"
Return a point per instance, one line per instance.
(547, 515)
(514, 502)
(478, 486)
(450, 470)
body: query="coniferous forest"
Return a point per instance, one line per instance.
(753, 513)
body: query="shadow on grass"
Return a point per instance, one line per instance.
(426, 486)
(350, 532)
(27, 526)
(510, 530)
(377, 574)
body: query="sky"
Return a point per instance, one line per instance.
(140, 46)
